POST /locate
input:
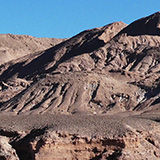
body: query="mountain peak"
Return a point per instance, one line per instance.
(149, 25)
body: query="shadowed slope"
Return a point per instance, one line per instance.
(146, 26)
(48, 60)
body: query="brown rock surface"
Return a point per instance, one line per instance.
(93, 96)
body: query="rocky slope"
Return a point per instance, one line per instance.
(93, 96)
(15, 46)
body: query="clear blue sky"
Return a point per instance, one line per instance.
(65, 18)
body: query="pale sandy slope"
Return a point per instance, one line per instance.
(15, 46)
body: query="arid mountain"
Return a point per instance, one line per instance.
(16, 46)
(146, 26)
(93, 96)
(58, 79)
(35, 67)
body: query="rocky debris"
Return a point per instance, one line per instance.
(6, 150)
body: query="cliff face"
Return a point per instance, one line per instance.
(93, 96)
(80, 137)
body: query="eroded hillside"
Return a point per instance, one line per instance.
(93, 96)
(16, 46)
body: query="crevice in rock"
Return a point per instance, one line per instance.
(63, 88)
(115, 155)
(8, 133)
(94, 92)
(138, 60)
(46, 96)
(150, 140)
(23, 146)
(39, 144)
(24, 150)
(113, 142)
(95, 58)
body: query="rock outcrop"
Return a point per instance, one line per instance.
(6, 150)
